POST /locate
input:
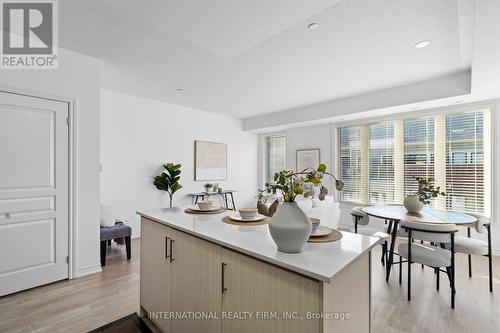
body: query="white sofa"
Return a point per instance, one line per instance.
(327, 211)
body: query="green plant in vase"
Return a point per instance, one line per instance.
(290, 227)
(291, 183)
(209, 187)
(168, 181)
(426, 191)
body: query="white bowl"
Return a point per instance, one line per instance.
(315, 223)
(248, 213)
(206, 204)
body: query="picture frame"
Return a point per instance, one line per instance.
(210, 161)
(307, 158)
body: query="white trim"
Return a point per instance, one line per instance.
(420, 114)
(87, 270)
(72, 175)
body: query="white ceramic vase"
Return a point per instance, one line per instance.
(290, 228)
(412, 204)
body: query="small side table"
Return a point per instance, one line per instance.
(226, 195)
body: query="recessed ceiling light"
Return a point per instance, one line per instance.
(313, 26)
(422, 44)
(180, 89)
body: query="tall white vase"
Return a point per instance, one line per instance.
(290, 228)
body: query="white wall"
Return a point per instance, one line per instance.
(319, 136)
(139, 135)
(77, 78)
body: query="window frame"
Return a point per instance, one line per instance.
(265, 155)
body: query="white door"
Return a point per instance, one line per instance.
(33, 192)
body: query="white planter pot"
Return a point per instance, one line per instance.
(290, 228)
(412, 204)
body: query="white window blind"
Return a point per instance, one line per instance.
(418, 152)
(465, 168)
(275, 156)
(351, 164)
(379, 162)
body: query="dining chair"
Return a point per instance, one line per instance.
(472, 246)
(361, 220)
(430, 255)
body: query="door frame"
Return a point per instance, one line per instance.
(72, 166)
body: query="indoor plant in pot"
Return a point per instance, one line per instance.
(169, 181)
(426, 190)
(290, 227)
(209, 187)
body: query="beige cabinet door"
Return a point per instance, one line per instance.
(156, 272)
(270, 294)
(196, 283)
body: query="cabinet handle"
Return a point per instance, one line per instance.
(166, 247)
(172, 241)
(223, 269)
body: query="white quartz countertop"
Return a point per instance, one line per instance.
(320, 261)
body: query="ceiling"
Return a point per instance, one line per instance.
(247, 58)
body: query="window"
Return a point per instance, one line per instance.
(351, 163)
(464, 162)
(275, 156)
(418, 152)
(381, 166)
(379, 162)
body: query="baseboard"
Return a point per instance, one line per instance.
(92, 269)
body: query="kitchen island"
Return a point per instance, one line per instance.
(199, 274)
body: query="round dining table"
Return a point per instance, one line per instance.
(395, 213)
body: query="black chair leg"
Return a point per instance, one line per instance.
(469, 256)
(109, 242)
(470, 265)
(400, 270)
(384, 250)
(103, 252)
(437, 279)
(128, 247)
(490, 264)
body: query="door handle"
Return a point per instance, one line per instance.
(223, 270)
(166, 247)
(172, 241)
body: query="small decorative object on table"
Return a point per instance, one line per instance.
(209, 187)
(169, 181)
(290, 227)
(426, 190)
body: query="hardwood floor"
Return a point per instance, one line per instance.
(83, 304)
(78, 305)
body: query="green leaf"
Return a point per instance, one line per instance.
(322, 168)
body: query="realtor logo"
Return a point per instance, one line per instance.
(29, 34)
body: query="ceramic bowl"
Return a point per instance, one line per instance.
(315, 223)
(248, 213)
(206, 204)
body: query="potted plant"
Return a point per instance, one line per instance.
(169, 181)
(426, 191)
(209, 187)
(290, 227)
